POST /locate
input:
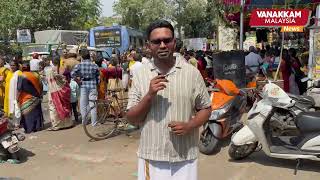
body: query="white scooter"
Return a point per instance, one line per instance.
(304, 145)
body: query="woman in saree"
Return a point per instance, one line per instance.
(102, 87)
(59, 98)
(11, 89)
(29, 98)
(113, 76)
(4, 71)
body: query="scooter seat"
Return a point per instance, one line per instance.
(302, 99)
(303, 102)
(308, 122)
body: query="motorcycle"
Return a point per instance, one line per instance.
(228, 104)
(9, 139)
(313, 91)
(303, 145)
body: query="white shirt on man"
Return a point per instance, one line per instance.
(135, 67)
(145, 60)
(34, 65)
(253, 60)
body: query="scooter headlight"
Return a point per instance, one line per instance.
(220, 113)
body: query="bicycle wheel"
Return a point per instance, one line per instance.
(106, 122)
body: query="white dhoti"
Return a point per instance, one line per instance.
(159, 170)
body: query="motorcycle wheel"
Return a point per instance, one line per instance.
(241, 152)
(208, 143)
(16, 156)
(4, 154)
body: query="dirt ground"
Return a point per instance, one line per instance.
(69, 155)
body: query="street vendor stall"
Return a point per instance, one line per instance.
(290, 20)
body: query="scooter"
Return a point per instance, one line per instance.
(228, 104)
(304, 145)
(313, 91)
(9, 139)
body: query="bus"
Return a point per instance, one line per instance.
(121, 38)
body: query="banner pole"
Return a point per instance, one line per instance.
(280, 60)
(241, 24)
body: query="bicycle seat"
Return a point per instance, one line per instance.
(115, 90)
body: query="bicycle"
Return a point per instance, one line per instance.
(110, 116)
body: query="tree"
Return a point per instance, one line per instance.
(197, 18)
(109, 21)
(47, 14)
(139, 13)
(196, 23)
(87, 14)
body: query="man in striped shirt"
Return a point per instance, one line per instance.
(169, 99)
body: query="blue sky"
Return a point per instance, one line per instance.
(107, 7)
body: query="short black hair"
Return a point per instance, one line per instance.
(56, 60)
(159, 24)
(85, 54)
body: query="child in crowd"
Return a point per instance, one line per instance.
(75, 93)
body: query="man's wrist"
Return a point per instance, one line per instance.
(191, 124)
(149, 97)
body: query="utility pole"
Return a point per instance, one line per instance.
(241, 24)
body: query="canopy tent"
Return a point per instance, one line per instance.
(245, 7)
(68, 37)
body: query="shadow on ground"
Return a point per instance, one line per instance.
(261, 158)
(24, 155)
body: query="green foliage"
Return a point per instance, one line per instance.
(197, 18)
(47, 14)
(109, 21)
(139, 13)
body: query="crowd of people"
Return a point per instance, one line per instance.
(72, 82)
(75, 78)
(265, 62)
(167, 95)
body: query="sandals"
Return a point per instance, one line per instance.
(52, 129)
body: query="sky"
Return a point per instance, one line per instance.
(107, 7)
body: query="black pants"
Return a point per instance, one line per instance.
(75, 111)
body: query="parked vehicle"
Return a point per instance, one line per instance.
(117, 37)
(9, 140)
(303, 145)
(228, 104)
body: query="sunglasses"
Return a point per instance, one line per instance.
(159, 41)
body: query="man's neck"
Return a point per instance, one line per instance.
(165, 65)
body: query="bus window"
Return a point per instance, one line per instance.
(108, 38)
(105, 55)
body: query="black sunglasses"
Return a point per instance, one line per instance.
(158, 41)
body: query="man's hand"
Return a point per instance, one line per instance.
(180, 128)
(157, 84)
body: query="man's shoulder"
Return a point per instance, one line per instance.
(142, 69)
(188, 67)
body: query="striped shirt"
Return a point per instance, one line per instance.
(185, 92)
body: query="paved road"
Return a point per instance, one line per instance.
(69, 155)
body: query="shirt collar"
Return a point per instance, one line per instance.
(153, 67)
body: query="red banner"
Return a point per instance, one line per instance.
(279, 17)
